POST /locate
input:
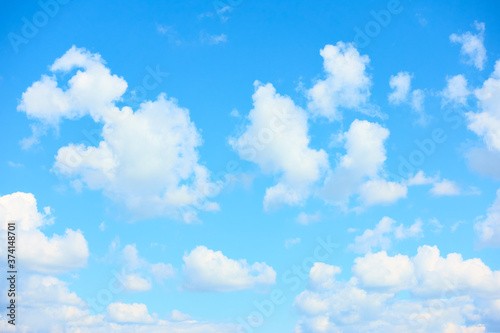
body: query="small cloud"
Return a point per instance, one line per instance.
(169, 32)
(455, 226)
(291, 242)
(235, 113)
(210, 39)
(102, 226)
(306, 219)
(445, 187)
(422, 20)
(176, 315)
(351, 230)
(436, 224)
(15, 165)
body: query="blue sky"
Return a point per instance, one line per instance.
(237, 166)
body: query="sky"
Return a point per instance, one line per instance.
(243, 166)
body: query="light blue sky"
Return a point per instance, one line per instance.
(424, 76)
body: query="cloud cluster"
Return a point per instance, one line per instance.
(447, 294)
(402, 93)
(146, 160)
(472, 50)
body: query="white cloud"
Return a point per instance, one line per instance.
(212, 39)
(488, 229)
(401, 86)
(444, 293)
(37, 252)
(176, 315)
(456, 90)
(359, 170)
(473, 49)
(402, 93)
(291, 242)
(277, 140)
(420, 179)
(484, 161)
(381, 236)
(445, 187)
(486, 123)
(129, 313)
(135, 283)
(208, 270)
(147, 159)
(322, 276)
(347, 85)
(305, 219)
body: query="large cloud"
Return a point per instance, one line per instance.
(347, 85)
(147, 159)
(446, 294)
(359, 171)
(208, 270)
(277, 139)
(36, 251)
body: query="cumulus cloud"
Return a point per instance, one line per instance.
(444, 294)
(277, 140)
(402, 94)
(456, 91)
(488, 229)
(472, 50)
(445, 187)
(486, 122)
(146, 160)
(359, 171)
(37, 252)
(208, 270)
(346, 86)
(129, 313)
(381, 236)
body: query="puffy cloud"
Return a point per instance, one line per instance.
(445, 187)
(277, 140)
(488, 229)
(358, 171)
(380, 236)
(208, 270)
(379, 270)
(146, 160)
(37, 252)
(322, 276)
(456, 90)
(473, 49)
(486, 123)
(347, 85)
(402, 93)
(444, 294)
(129, 313)
(135, 282)
(401, 86)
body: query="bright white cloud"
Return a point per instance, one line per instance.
(208, 270)
(37, 252)
(135, 283)
(381, 236)
(486, 123)
(456, 90)
(322, 276)
(401, 86)
(146, 160)
(359, 170)
(488, 229)
(473, 50)
(277, 140)
(450, 292)
(346, 86)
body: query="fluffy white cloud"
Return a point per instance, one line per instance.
(486, 123)
(146, 160)
(208, 270)
(135, 282)
(473, 49)
(456, 90)
(381, 236)
(277, 140)
(36, 251)
(322, 276)
(421, 179)
(445, 293)
(445, 187)
(402, 93)
(488, 229)
(359, 169)
(347, 85)
(129, 313)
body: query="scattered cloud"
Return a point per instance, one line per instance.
(488, 229)
(210, 39)
(291, 242)
(473, 50)
(305, 219)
